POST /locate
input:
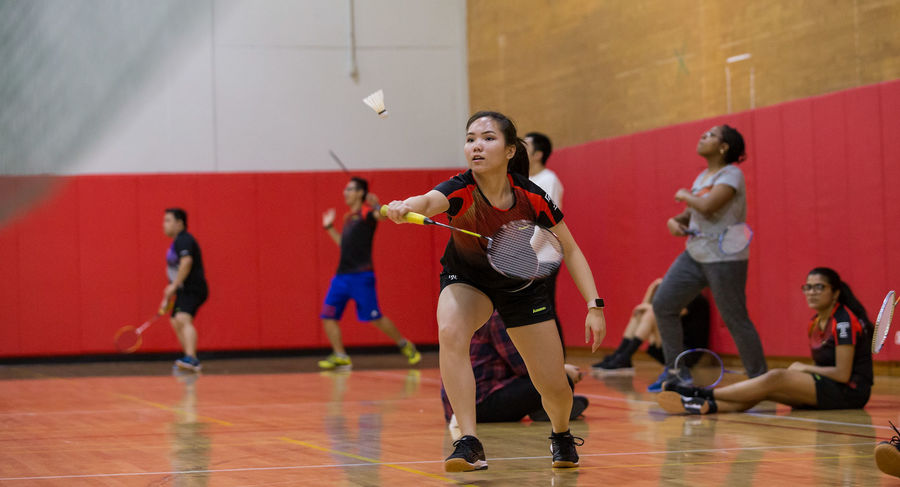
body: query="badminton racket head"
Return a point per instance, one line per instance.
(883, 322)
(127, 339)
(735, 238)
(699, 367)
(523, 250)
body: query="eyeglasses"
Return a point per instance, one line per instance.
(817, 288)
(706, 135)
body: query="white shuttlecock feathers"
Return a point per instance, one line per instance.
(376, 102)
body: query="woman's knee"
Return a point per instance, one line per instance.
(454, 334)
(774, 377)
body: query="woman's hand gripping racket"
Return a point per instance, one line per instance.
(883, 322)
(700, 367)
(128, 338)
(520, 249)
(734, 239)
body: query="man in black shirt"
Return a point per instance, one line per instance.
(187, 282)
(355, 278)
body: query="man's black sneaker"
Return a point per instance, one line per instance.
(468, 456)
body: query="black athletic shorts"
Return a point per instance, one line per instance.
(831, 394)
(188, 302)
(527, 306)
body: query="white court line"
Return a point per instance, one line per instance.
(813, 420)
(421, 462)
(618, 399)
(750, 413)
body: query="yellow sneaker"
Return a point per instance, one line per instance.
(410, 352)
(334, 362)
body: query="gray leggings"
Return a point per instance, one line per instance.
(683, 282)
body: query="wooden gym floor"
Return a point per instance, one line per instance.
(281, 422)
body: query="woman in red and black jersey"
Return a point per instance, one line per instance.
(496, 190)
(840, 337)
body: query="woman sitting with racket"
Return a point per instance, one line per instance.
(493, 192)
(716, 201)
(840, 336)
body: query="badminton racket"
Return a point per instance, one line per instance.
(129, 338)
(734, 239)
(338, 161)
(883, 322)
(700, 367)
(520, 249)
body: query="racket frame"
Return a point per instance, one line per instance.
(722, 370)
(139, 331)
(420, 219)
(721, 236)
(887, 306)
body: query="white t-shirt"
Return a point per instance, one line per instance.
(706, 249)
(550, 183)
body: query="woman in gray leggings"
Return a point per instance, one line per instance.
(716, 200)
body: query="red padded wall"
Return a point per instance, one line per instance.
(818, 179)
(819, 175)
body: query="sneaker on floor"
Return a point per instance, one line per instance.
(410, 352)
(887, 454)
(618, 364)
(579, 404)
(686, 389)
(336, 362)
(664, 376)
(562, 447)
(603, 362)
(188, 363)
(468, 455)
(675, 403)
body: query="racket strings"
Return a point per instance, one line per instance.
(883, 322)
(524, 250)
(128, 339)
(736, 238)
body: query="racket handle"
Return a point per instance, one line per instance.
(410, 217)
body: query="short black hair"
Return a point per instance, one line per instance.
(542, 143)
(735, 141)
(361, 184)
(178, 214)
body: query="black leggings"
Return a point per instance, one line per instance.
(513, 402)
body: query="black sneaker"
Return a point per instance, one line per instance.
(887, 454)
(562, 447)
(468, 456)
(674, 403)
(618, 364)
(687, 390)
(604, 362)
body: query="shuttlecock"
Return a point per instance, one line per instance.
(376, 102)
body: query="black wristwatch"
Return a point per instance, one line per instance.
(595, 303)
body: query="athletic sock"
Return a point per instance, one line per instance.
(633, 346)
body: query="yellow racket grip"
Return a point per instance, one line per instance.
(410, 217)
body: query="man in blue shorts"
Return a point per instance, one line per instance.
(355, 278)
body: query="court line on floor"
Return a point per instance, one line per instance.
(720, 462)
(814, 420)
(370, 460)
(751, 413)
(425, 462)
(167, 408)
